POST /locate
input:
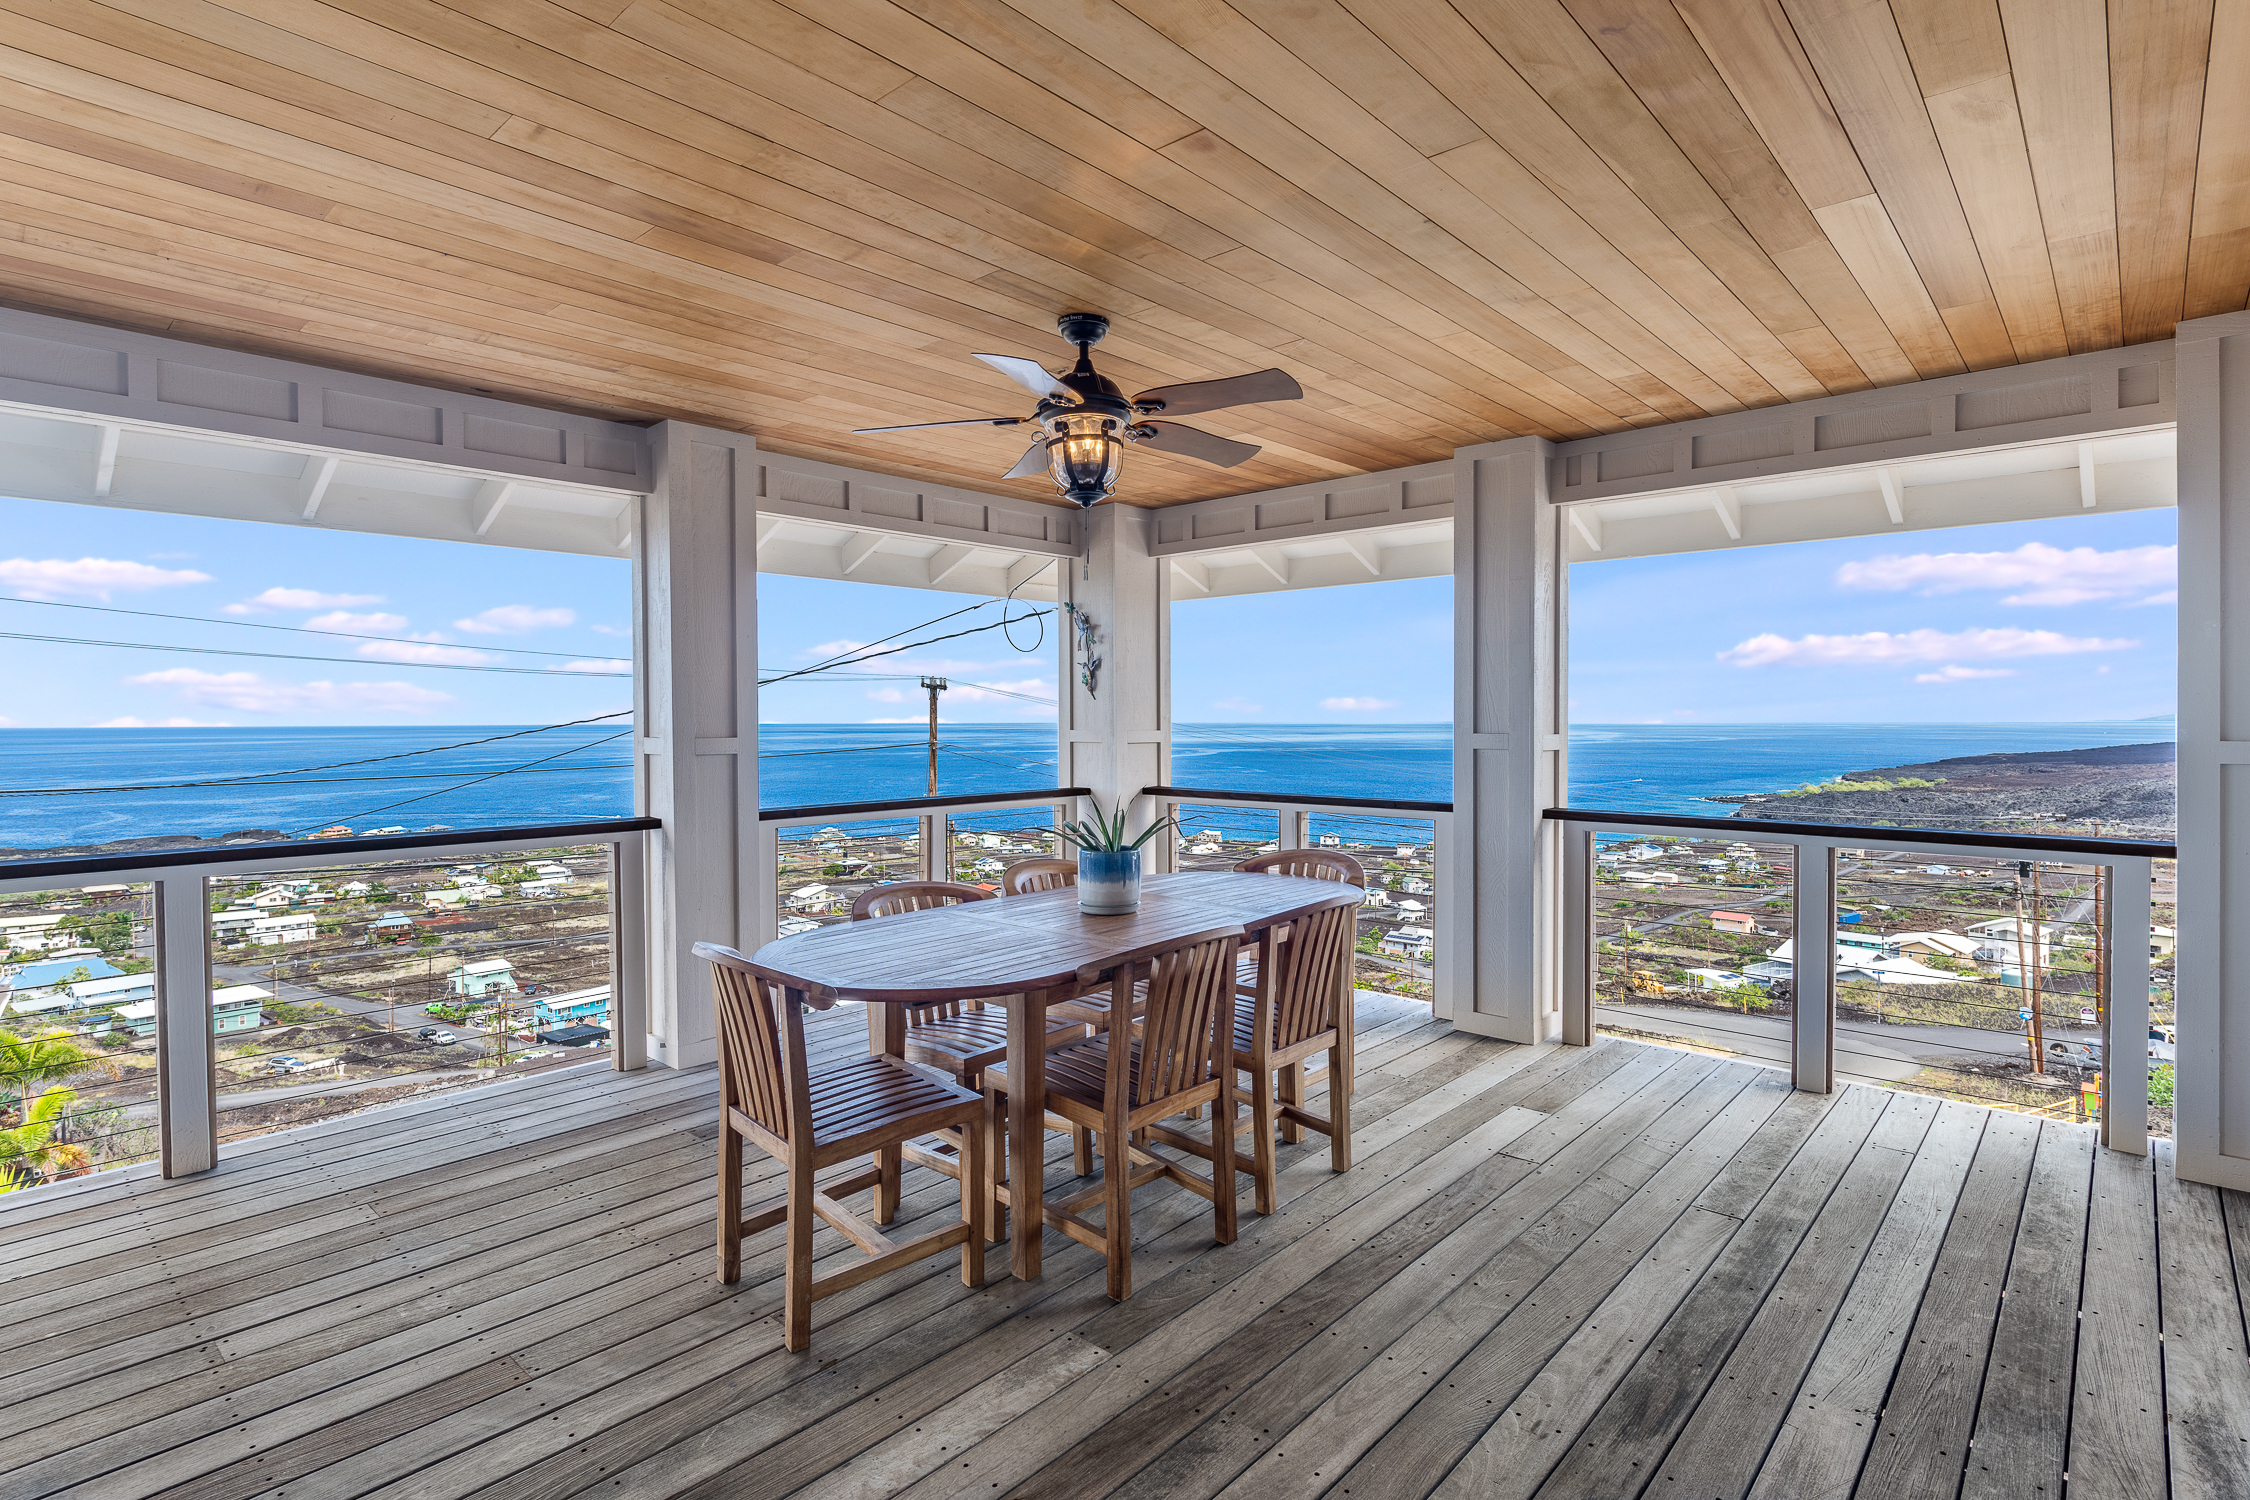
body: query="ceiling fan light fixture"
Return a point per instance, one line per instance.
(1084, 457)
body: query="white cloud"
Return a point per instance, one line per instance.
(924, 719)
(621, 630)
(279, 598)
(129, 722)
(89, 577)
(1239, 706)
(605, 666)
(376, 623)
(1357, 705)
(1966, 674)
(515, 619)
(2039, 574)
(6, 722)
(827, 649)
(422, 653)
(885, 695)
(2169, 596)
(1882, 648)
(247, 692)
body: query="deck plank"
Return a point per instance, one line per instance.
(2020, 1446)
(2206, 1366)
(2117, 1416)
(1922, 1438)
(1613, 1270)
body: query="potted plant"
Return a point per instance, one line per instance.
(1109, 869)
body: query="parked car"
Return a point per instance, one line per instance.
(443, 1038)
(2075, 1054)
(427, 1032)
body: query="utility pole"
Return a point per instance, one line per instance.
(2024, 979)
(934, 686)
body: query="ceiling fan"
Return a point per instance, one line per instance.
(1084, 420)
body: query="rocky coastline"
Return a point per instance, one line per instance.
(2111, 791)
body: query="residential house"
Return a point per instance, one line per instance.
(1417, 943)
(288, 927)
(274, 898)
(114, 989)
(814, 897)
(1940, 944)
(537, 890)
(1376, 896)
(355, 889)
(239, 1007)
(588, 1007)
(485, 976)
(1734, 921)
(2160, 942)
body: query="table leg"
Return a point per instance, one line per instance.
(886, 1033)
(1027, 1129)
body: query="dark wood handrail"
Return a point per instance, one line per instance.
(866, 810)
(1954, 838)
(72, 866)
(1206, 794)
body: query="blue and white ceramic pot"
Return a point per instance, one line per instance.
(1109, 881)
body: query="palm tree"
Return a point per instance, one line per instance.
(30, 1151)
(27, 1061)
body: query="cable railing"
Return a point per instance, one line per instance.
(1403, 846)
(262, 987)
(2029, 972)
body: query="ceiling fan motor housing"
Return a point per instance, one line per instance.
(1082, 328)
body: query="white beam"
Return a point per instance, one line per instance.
(105, 461)
(1588, 526)
(942, 563)
(313, 481)
(2086, 494)
(1194, 574)
(1894, 494)
(1026, 568)
(856, 549)
(491, 498)
(626, 519)
(1276, 563)
(1729, 506)
(1365, 549)
(767, 526)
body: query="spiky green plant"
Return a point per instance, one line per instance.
(30, 1150)
(1104, 833)
(27, 1061)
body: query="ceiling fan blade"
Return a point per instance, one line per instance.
(1029, 374)
(1210, 395)
(1034, 461)
(1193, 442)
(966, 422)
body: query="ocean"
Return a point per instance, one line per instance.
(67, 787)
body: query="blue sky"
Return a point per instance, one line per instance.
(556, 618)
(2069, 620)
(2053, 620)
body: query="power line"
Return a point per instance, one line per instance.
(340, 661)
(150, 614)
(496, 775)
(893, 651)
(80, 791)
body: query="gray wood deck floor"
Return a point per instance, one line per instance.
(1601, 1272)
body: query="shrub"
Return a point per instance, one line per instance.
(2160, 1084)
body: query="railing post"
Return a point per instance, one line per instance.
(2125, 1017)
(765, 885)
(1577, 935)
(1813, 976)
(187, 1105)
(628, 953)
(933, 845)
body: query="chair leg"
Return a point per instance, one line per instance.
(1339, 1110)
(797, 1299)
(1117, 1227)
(888, 1162)
(1223, 1207)
(1262, 1112)
(1293, 1092)
(730, 1205)
(975, 1193)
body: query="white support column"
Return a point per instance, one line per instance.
(187, 1105)
(629, 952)
(2125, 1017)
(1500, 906)
(696, 627)
(1117, 738)
(2211, 1112)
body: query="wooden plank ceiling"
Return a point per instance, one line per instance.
(1452, 220)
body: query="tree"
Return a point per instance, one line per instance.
(30, 1152)
(26, 1061)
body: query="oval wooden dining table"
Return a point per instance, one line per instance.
(1025, 952)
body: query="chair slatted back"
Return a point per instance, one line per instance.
(1045, 873)
(763, 1069)
(913, 895)
(1187, 1028)
(1313, 864)
(1308, 969)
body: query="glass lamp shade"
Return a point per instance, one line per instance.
(1084, 457)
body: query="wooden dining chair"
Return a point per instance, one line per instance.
(1122, 1083)
(959, 1038)
(1294, 1014)
(1046, 873)
(805, 1119)
(1309, 864)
